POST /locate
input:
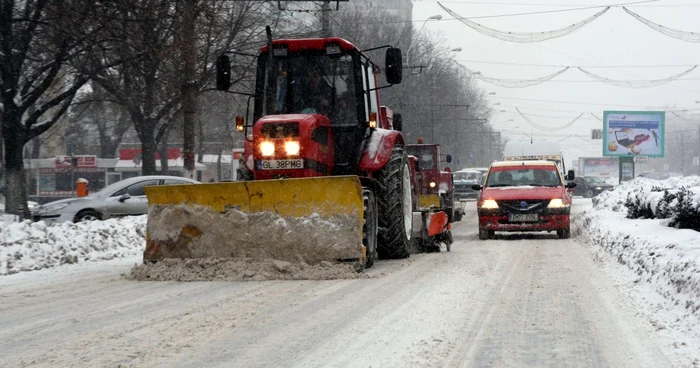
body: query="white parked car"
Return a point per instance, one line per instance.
(124, 198)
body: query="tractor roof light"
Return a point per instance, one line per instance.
(332, 48)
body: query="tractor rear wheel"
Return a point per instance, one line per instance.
(395, 206)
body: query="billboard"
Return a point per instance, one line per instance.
(628, 133)
(601, 167)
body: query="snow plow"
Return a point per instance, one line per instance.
(325, 175)
(435, 207)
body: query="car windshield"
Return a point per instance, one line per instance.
(311, 83)
(523, 177)
(594, 180)
(467, 176)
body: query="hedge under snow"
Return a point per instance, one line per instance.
(29, 246)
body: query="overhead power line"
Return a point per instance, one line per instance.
(574, 66)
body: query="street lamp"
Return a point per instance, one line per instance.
(408, 52)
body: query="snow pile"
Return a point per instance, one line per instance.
(192, 231)
(665, 259)
(217, 269)
(29, 246)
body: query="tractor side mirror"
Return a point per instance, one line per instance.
(398, 123)
(394, 65)
(476, 187)
(448, 158)
(570, 175)
(223, 72)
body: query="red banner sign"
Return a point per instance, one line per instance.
(80, 161)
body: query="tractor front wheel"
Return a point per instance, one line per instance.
(395, 207)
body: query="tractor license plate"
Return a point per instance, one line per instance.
(523, 217)
(281, 164)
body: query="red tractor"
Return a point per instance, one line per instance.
(434, 190)
(317, 114)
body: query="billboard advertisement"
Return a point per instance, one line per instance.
(600, 167)
(628, 133)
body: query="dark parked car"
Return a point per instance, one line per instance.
(463, 181)
(590, 186)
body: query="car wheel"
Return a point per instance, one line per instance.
(484, 234)
(588, 194)
(564, 233)
(87, 216)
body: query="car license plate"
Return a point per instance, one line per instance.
(523, 217)
(281, 164)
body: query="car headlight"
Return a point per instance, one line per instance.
(292, 148)
(556, 203)
(598, 188)
(489, 203)
(52, 207)
(267, 148)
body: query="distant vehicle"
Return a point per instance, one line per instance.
(123, 198)
(535, 150)
(31, 204)
(463, 182)
(590, 186)
(524, 196)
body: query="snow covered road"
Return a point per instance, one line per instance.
(514, 301)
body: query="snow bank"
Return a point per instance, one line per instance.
(29, 246)
(661, 262)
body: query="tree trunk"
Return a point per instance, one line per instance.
(163, 151)
(14, 140)
(149, 147)
(36, 147)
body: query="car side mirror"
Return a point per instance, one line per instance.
(394, 65)
(571, 185)
(124, 197)
(397, 123)
(571, 175)
(476, 187)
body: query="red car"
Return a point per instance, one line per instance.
(524, 196)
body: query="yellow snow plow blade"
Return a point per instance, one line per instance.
(306, 220)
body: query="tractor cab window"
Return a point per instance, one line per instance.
(312, 83)
(427, 162)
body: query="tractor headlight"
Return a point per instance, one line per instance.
(432, 184)
(556, 203)
(292, 148)
(489, 203)
(267, 148)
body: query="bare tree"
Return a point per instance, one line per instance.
(43, 64)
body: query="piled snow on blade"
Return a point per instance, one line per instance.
(198, 232)
(661, 262)
(218, 269)
(29, 246)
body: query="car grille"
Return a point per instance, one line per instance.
(524, 206)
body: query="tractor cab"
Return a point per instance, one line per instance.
(315, 104)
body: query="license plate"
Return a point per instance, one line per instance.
(281, 164)
(523, 217)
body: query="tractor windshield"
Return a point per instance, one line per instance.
(305, 83)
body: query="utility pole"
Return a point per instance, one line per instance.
(325, 19)
(188, 50)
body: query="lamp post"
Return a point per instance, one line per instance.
(432, 99)
(413, 41)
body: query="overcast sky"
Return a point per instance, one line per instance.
(614, 39)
